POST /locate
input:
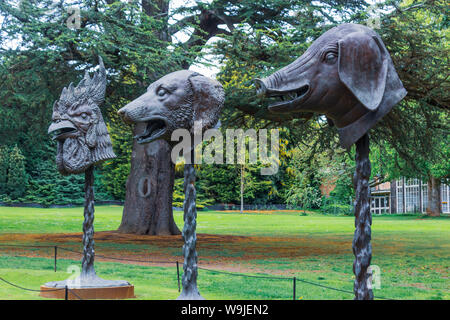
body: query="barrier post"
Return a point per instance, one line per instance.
(66, 293)
(178, 276)
(294, 286)
(56, 254)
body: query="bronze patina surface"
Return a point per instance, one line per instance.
(83, 141)
(347, 74)
(177, 101)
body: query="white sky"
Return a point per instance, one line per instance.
(209, 71)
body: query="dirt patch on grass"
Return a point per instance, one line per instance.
(270, 211)
(233, 253)
(414, 285)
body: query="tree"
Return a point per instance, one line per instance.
(416, 35)
(417, 130)
(4, 163)
(17, 177)
(14, 178)
(52, 51)
(204, 20)
(40, 54)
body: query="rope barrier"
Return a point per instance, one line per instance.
(46, 290)
(23, 246)
(245, 275)
(323, 286)
(115, 258)
(33, 290)
(336, 289)
(285, 279)
(294, 279)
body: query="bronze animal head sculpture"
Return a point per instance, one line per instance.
(78, 126)
(179, 100)
(346, 74)
(173, 102)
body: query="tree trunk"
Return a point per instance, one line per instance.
(434, 207)
(148, 200)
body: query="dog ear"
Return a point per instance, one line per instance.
(207, 100)
(363, 67)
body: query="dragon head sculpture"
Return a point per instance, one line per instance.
(78, 126)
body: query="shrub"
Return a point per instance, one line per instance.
(178, 195)
(13, 177)
(331, 206)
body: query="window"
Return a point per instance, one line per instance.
(415, 190)
(412, 195)
(399, 196)
(379, 204)
(445, 198)
(424, 198)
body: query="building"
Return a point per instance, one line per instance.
(404, 195)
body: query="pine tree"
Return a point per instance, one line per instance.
(16, 176)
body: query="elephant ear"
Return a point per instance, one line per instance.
(208, 98)
(362, 67)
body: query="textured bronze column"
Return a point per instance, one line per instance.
(87, 264)
(192, 99)
(190, 270)
(362, 248)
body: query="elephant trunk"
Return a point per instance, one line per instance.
(268, 86)
(290, 82)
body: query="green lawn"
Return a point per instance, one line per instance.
(412, 253)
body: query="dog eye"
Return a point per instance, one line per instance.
(161, 92)
(330, 57)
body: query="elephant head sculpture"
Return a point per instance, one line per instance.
(173, 102)
(78, 126)
(346, 74)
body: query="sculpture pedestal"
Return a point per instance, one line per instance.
(88, 288)
(190, 296)
(123, 292)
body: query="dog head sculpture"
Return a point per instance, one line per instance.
(346, 74)
(78, 126)
(173, 102)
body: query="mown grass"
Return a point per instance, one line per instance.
(61, 220)
(411, 251)
(149, 282)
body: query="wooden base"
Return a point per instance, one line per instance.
(115, 293)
